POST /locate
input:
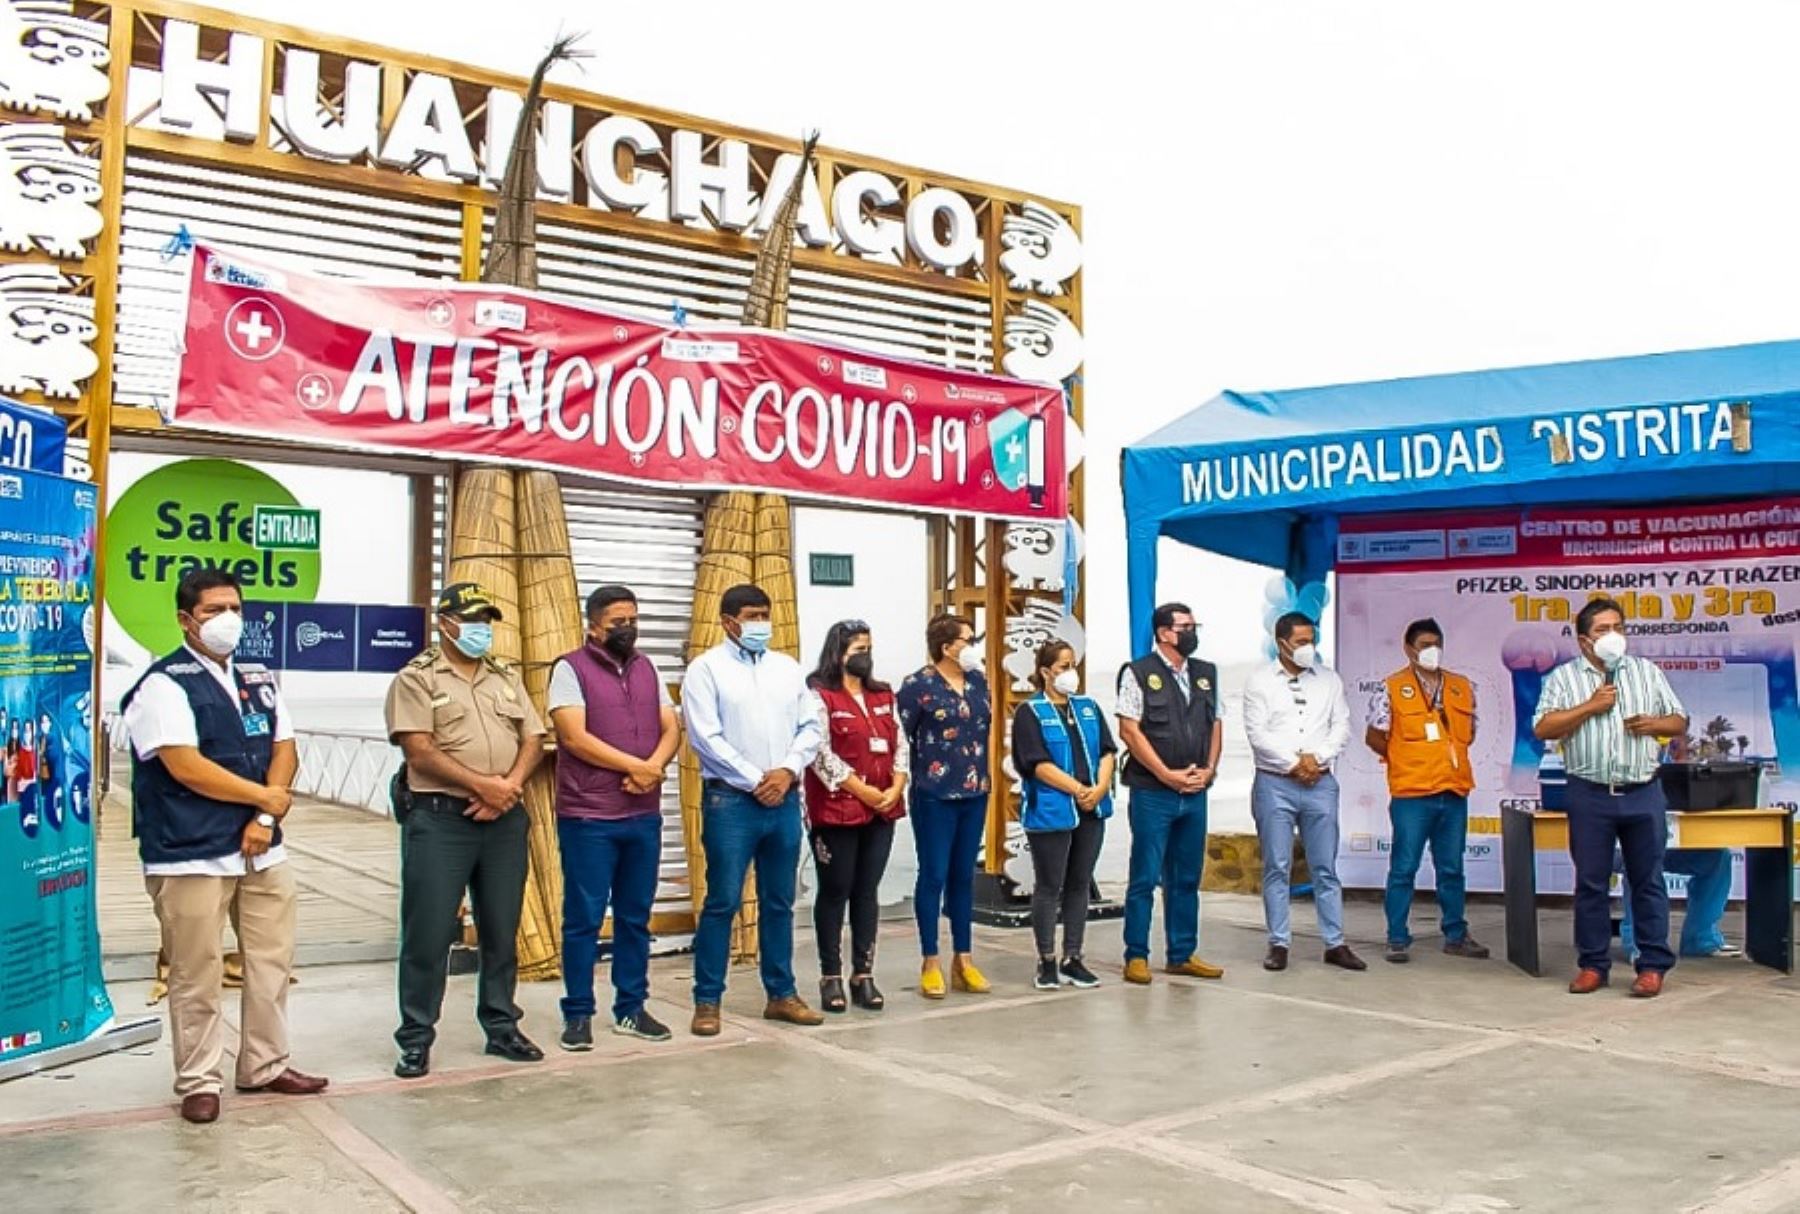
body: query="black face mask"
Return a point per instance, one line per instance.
(1186, 642)
(860, 665)
(621, 641)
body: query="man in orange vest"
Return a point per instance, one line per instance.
(1422, 722)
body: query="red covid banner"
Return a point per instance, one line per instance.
(470, 372)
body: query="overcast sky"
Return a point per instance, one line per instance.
(1275, 194)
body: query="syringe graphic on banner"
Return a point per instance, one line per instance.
(1018, 446)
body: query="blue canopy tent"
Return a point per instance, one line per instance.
(1265, 476)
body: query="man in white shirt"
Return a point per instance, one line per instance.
(215, 755)
(1299, 723)
(755, 728)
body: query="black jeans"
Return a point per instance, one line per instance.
(850, 861)
(1062, 862)
(443, 853)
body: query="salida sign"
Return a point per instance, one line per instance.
(198, 513)
(486, 373)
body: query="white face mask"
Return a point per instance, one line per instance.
(969, 658)
(1430, 657)
(1304, 655)
(1068, 682)
(1610, 648)
(220, 635)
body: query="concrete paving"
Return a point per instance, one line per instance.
(1445, 1085)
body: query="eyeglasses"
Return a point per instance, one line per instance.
(1294, 690)
(853, 625)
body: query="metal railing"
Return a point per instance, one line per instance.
(343, 768)
(346, 769)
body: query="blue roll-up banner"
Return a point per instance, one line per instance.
(51, 991)
(30, 438)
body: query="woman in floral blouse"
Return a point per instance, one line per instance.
(946, 714)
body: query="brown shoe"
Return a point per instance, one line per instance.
(1468, 947)
(1196, 967)
(1137, 971)
(292, 1083)
(706, 1020)
(1277, 958)
(1344, 959)
(1649, 985)
(1587, 982)
(202, 1108)
(792, 1010)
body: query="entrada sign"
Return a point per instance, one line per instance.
(709, 183)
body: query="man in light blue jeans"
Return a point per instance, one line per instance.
(1281, 805)
(1299, 723)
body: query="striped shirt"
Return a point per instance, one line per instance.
(1601, 750)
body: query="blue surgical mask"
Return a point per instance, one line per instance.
(754, 635)
(475, 639)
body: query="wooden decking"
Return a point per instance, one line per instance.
(346, 862)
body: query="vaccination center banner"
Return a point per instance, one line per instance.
(462, 370)
(1711, 594)
(51, 991)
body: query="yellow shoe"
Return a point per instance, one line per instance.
(1137, 971)
(1194, 967)
(931, 983)
(967, 978)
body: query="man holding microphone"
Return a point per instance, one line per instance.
(1608, 710)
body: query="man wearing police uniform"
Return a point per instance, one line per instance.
(1168, 709)
(215, 754)
(471, 739)
(1422, 723)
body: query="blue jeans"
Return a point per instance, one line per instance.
(948, 835)
(605, 861)
(735, 831)
(1709, 891)
(1634, 822)
(1168, 847)
(1442, 820)
(1281, 805)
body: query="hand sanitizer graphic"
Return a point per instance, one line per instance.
(1017, 443)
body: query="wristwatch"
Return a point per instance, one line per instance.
(266, 820)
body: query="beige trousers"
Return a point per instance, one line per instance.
(193, 912)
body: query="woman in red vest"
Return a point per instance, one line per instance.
(854, 795)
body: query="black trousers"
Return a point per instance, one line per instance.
(1637, 821)
(1062, 865)
(442, 854)
(850, 861)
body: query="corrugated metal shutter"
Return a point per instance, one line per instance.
(645, 278)
(650, 542)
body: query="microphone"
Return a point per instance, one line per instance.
(1610, 674)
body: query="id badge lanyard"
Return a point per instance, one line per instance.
(1437, 729)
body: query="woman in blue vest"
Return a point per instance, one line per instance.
(1064, 753)
(855, 793)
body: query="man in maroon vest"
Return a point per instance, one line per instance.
(616, 732)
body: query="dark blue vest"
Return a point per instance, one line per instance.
(173, 822)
